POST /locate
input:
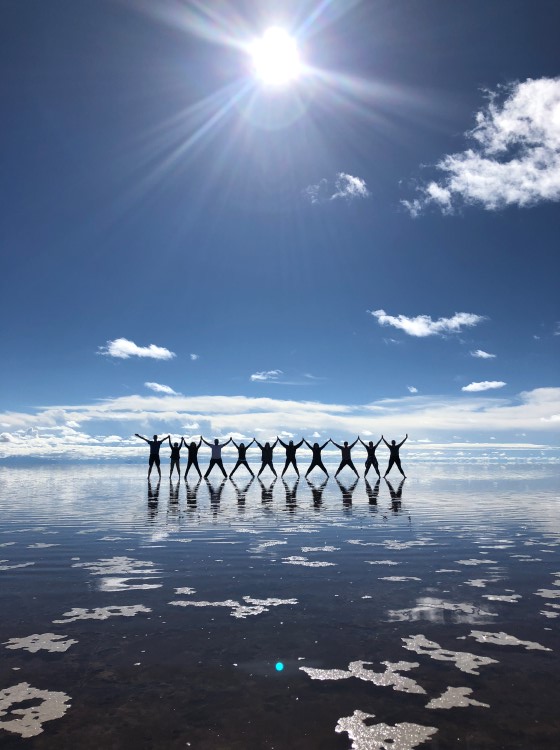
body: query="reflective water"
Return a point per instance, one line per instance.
(280, 615)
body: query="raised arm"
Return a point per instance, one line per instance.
(375, 446)
(233, 441)
(307, 444)
(328, 441)
(386, 443)
(141, 438)
(274, 444)
(282, 443)
(227, 441)
(403, 441)
(355, 441)
(200, 441)
(164, 439)
(169, 438)
(251, 443)
(299, 444)
(337, 445)
(362, 442)
(257, 442)
(206, 442)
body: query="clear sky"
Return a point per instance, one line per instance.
(370, 247)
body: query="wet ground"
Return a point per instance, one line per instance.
(423, 614)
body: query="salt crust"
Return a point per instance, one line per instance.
(513, 598)
(239, 610)
(476, 561)
(466, 662)
(402, 736)
(118, 566)
(300, 560)
(121, 584)
(479, 583)
(455, 697)
(431, 608)
(13, 567)
(391, 677)
(320, 549)
(30, 720)
(41, 642)
(185, 590)
(503, 639)
(266, 544)
(548, 593)
(381, 562)
(102, 613)
(399, 578)
(41, 545)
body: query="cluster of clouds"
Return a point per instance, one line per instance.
(125, 349)
(423, 325)
(514, 159)
(343, 187)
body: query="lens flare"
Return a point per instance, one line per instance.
(276, 60)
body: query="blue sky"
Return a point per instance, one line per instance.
(334, 252)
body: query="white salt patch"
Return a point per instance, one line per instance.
(299, 560)
(41, 545)
(240, 610)
(320, 549)
(399, 578)
(118, 566)
(513, 598)
(448, 570)
(391, 677)
(185, 590)
(550, 615)
(120, 584)
(393, 544)
(545, 593)
(41, 642)
(13, 567)
(503, 639)
(432, 609)
(455, 697)
(403, 736)
(53, 705)
(479, 583)
(265, 544)
(381, 562)
(476, 561)
(466, 662)
(7, 544)
(102, 613)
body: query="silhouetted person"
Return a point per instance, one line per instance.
(153, 500)
(215, 495)
(192, 448)
(346, 455)
(371, 459)
(241, 492)
(266, 457)
(372, 492)
(394, 457)
(347, 492)
(316, 459)
(317, 492)
(174, 492)
(290, 455)
(155, 445)
(216, 457)
(266, 492)
(291, 495)
(396, 497)
(192, 492)
(241, 457)
(175, 457)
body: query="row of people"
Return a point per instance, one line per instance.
(267, 454)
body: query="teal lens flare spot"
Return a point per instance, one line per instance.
(279, 666)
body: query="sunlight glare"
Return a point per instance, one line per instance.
(275, 56)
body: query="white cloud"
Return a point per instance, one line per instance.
(344, 186)
(484, 385)
(194, 357)
(480, 354)
(124, 349)
(515, 157)
(412, 389)
(159, 388)
(266, 375)
(423, 325)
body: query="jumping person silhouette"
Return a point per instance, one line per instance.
(396, 495)
(175, 457)
(241, 457)
(371, 459)
(394, 457)
(317, 492)
(155, 445)
(316, 459)
(346, 457)
(290, 455)
(266, 456)
(193, 456)
(216, 457)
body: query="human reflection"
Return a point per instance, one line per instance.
(215, 495)
(192, 492)
(317, 492)
(266, 491)
(242, 491)
(372, 492)
(173, 492)
(153, 500)
(396, 496)
(291, 495)
(347, 492)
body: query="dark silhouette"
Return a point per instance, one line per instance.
(317, 492)
(291, 495)
(193, 456)
(266, 492)
(346, 456)
(192, 492)
(173, 508)
(372, 492)
(215, 495)
(175, 456)
(371, 459)
(394, 457)
(241, 492)
(347, 492)
(153, 500)
(396, 496)
(155, 445)
(216, 458)
(316, 459)
(266, 456)
(241, 457)
(290, 455)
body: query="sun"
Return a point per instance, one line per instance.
(275, 56)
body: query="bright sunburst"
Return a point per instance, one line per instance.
(275, 56)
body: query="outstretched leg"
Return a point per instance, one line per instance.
(237, 465)
(368, 467)
(351, 465)
(399, 467)
(340, 467)
(285, 469)
(389, 467)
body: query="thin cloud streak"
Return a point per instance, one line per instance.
(160, 388)
(481, 354)
(264, 375)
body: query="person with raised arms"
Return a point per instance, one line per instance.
(290, 454)
(175, 456)
(241, 457)
(346, 456)
(394, 456)
(155, 445)
(216, 457)
(371, 459)
(266, 457)
(192, 448)
(316, 460)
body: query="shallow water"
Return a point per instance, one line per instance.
(423, 614)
